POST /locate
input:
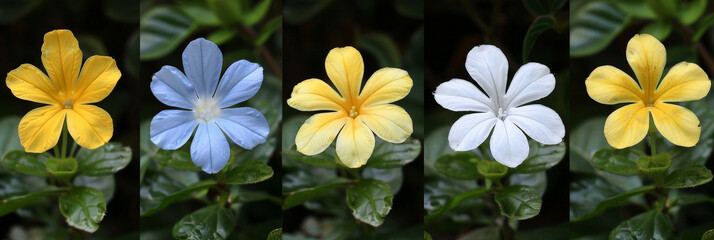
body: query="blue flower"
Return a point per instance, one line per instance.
(206, 100)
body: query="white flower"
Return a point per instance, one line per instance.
(501, 109)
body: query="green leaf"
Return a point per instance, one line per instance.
(635, 8)
(9, 140)
(370, 201)
(199, 12)
(62, 167)
(518, 202)
(538, 26)
(247, 173)
(105, 184)
(484, 233)
(541, 157)
(381, 47)
(276, 234)
(410, 8)
(160, 193)
(268, 29)
(394, 155)
(211, 222)
(257, 13)
(83, 208)
(708, 235)
(427, 236)
(392, 176)
(11, 204)
(658, 29)
(691, 11)
(104, 160)
(585, 141)
(176, 159)
(12, 11)
(592, 196)
(688, 176)
(325, 159)
(222, 35)
(299, 196)
(491, 170)
(538, 180)
(460, 165)
(543, 7)
(620, 162)
(655, 164)
(228, 11)
(26, 163)
(298, 11)
(594, 26)
(702, 26)
(162, 29)
(648, 225)
(443, 195)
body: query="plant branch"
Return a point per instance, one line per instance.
(266, 54)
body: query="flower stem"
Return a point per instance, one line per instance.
(653, 144)
(64, 141)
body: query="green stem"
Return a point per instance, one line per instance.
(653, 144)
(74, 149)
(355, 172)
(223, 199)
(64, 141)
(57, 152)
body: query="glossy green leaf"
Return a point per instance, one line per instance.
(176, 159)
(538, 180)
(543, 7)
(157, 194)
(162, 30)
(594, 26)
(655, 164)
(11, 11)
(83, 208)
(394, 155)
(26, 163)
(9, 140)
(540, 25)
(298, 11)
(648, 225)
(11, 204)
(256, 14)
(370, 201)
(518, 202)
(620, 162)
(410, 8)
(228, 11)
(299, 196)
(61, 167)
(688, 176)
(199, 12)
(691, 11)
(104, 184)
(247, 173)
(222, 35)
(636, 8)
(268, 29)
(460, 165)
(592, 196)
(276, 234)
(382, 47)
(541, 157)
(708, 235)
(702, 26)
(392, 176)
(585, 140)
(491, 170)
(211, 222)
(443, 195)
(658, 29)
(104, 160)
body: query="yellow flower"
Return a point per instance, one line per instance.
(628, 125)
(67, 92)
(357, 114)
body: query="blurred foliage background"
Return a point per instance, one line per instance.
(242, 29)
(526, 31)
(108, 28)
(387, 34)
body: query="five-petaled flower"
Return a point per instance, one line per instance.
(68, 93)
(206, 100)
(356, 113)
(501, 110)
(628, 125)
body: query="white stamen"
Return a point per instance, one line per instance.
(502, 114)
(206, 110)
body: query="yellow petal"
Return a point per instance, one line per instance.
(98, 77)
(609, 85)
(318, 132)
(684, 82)
(388, 122)
(355, 144)
(62, 58)
(315, 95)
(90, 126)
(676, 123)
(386, 85)
(627, 126)
(647, 57)
(29, 83)
(345, 69)
(40, 128)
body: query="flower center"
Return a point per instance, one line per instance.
(353, 112)
(651, 103)
(502, 114)
(68, 104)
(206, 110)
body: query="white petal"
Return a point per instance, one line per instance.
(461, 95)
(509, 145)
(471, 130)
(539, 122)
(489, 67)
(532, 81)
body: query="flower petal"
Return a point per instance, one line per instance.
(209, 149)
(609, 85)
(90, 126)
(355, 144)
(171, 129)
(539, 122)
(315, 95)
(489, 67)
(62, 58)
(202, 62)
(245, 126)
(172, 88)
(471, 130)
(508, 144)
(684, 82)
(532, 81)
(390, 122)
(345, 69)
(98, 77)
(240, 82)
(40, 128)
(627, 125)
(318, 132)
(461, 95)
(29, 83)
(647, 57)
(677, 124)
(386, 85)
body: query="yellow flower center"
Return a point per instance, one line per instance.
(206, 110)
(353, 112)
(68, 104)
(651, 103)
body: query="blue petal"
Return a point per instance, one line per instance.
(209, 148)
(170, 129)
(172, 88)
(245, 126)
(202, 62)
(240, 82)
